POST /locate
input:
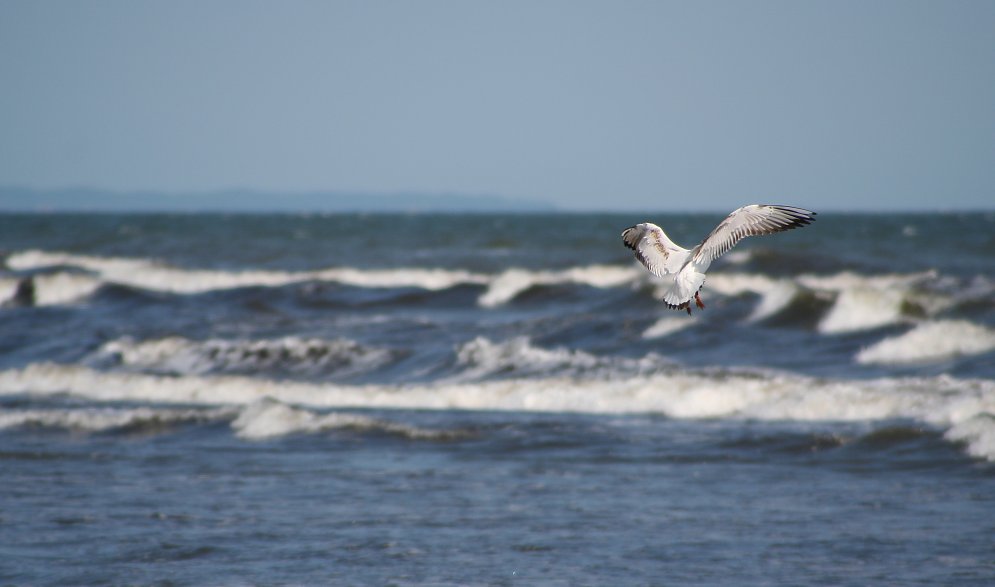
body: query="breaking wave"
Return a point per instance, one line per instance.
(269, 418)
(505, 286)
(963, 408)
(265, 418)
(977, 434)
(52, 289)
(152, 275)
(845, 302)
(666, 326)
(481, 358)
(868, 302)
(848, 302)
(929, 342)
(775, 294)
(64, 287)
(289, 355)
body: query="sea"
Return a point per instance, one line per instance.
(493, 399)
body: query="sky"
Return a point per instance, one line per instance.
(610, 105)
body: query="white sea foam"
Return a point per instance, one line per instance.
(265, 418)
(268, 418)
(152, 275)
(977, 433)
(512, 282)
(862, 308)
(54, 288)
(735, 284)
(8, 286)
(774, 300)
(775, 294)
(849, 280)
(666, 326)
(180, 355)
(931, 341)
(147, 274)
(430, 279)
(482, 357)
(868, 302)
(63, 288)
(942, 401)
(155, 276)
(861, 302)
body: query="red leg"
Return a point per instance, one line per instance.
(698, 302)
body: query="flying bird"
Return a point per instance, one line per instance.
(685, 269)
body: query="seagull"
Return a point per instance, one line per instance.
(684, 269)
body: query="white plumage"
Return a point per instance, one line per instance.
(685, 269)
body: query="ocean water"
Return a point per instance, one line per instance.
(493, 400)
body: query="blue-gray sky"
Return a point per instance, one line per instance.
(588, 105)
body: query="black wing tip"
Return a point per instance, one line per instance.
(793, 210)
(798, 216)
(625, 240)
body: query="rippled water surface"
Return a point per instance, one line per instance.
(493, 399)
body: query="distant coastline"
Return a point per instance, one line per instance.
(82, 199)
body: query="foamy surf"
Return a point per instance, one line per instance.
(505, 286)
(519, 401)
(152, 275)
(931, 342)
(265, 418)
(155, 276)
(977, 434)
(481, 358)
(268, 418)
(290, 354)
(944, 402)
(8, 287)
(775, 294)
(859, 302)
(856, 302)
(666, 326)
(52, 288)
(869, 302)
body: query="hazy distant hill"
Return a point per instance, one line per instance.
(15, 199)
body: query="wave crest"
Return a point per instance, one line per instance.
(152, 275)
(869, 302)
(290, 355)
(929, 342)
(507, 285)
(855, 302)
(269, 418)
(940, 401)
(155, 276)
(481, 358)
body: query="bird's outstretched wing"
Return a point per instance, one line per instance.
(654, 249)
(752, 220)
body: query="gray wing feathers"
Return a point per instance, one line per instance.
(753, 220)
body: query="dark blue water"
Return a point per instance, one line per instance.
(493, 399)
